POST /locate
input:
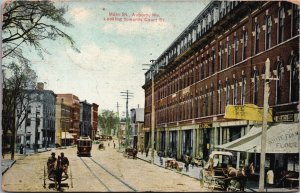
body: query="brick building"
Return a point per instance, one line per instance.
(219, 60)
(72, 101)
(94, 120)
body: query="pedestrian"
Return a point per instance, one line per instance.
(201, 177)
(147, 151)
(21, 149)
(108, 144)
(186, 162)
(51, 163)
(64, 163)
(114, 145)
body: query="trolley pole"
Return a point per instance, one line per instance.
(152, 120)
(264, 128)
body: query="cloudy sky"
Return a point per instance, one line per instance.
(112, 51)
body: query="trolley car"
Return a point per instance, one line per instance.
(84, 146)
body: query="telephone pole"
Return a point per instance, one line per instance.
(264, 128)
(118, 125)
(128, 96)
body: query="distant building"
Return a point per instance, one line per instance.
(85, 118)
(39, 124)
(94, 120)
(137, 124)
(72, 101)
(63, 123)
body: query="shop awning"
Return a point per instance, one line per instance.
(66, 135)
(281, 138)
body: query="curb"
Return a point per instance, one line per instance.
(14, 161)
(169, 169)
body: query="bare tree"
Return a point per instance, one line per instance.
(30, 22)
(16, 81)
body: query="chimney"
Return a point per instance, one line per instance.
(40, 86)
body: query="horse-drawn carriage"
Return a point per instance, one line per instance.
(101, 146)
(219, 173)
(57, 174)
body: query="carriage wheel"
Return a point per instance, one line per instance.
(71, 178)
(44, 177)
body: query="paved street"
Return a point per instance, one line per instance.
(27, 174)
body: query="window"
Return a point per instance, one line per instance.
(255, 87)
(235, 86)
(220, 97)
(227, 92)
(243, 90)
(281, 25)
(28, 122)
(212, 100)
(213, 62)
(294, 78)
(196, 107)
(257, 30)
(228, 52)
(202, 71)
(236, 49)
(279, 68)
(207, 66)
(221, 57)
(245, 44)
(268, 32)
(295, 20)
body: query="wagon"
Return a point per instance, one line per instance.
(130, 152)
(217, 172)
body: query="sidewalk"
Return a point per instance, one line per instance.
(251, 186)
(6, 163)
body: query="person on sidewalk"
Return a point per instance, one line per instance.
(186, 162)
(201, 177)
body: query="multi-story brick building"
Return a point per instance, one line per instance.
(94, 120)
(85, 118)
(72, 101)
(219, 59)
(63, 123)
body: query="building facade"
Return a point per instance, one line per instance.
(94, 120)
(72, 101)
(63, 121)
(137, 124)
(85, 119)
(219, 60)
(38, 128)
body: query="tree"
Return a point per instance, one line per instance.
(30, 22)
(108, 121)
(17, 82)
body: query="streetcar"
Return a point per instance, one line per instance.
(84, 146)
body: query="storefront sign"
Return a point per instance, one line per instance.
(205, 125)
(285, 118)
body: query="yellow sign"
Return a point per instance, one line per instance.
(249, 112)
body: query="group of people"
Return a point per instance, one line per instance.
(57, 166)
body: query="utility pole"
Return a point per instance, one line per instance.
(118, 125)
(128, 96)
(152, 69)
(264, 128)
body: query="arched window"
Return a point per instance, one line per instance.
(228, 52)
(294, 78)
(255, 87)
(295, 20)
(236, 49)
(212, 99)
(227, 92)
(221, 57)
(279, 69)
(268, 31)
(235, 87)
(243, 90)
(220, 97)
(257, 31)
(281, 25)
(245, 44)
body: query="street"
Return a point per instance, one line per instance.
(107, 170)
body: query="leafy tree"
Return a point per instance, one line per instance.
(30, 22)
(108, 121)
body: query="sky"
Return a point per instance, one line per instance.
(112, 50)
